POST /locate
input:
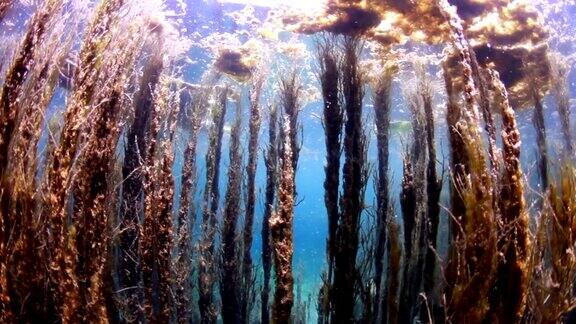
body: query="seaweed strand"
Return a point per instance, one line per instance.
(351, 204)
(230, 284)
(281, 234)
(382, 111)
(271, 161)
(209, 210)
(255, 122)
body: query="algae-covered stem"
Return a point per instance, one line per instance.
(389, 314)
(9, 112)
(413, 201)
(90, 216)
(514, 240)
(186, 213)
(382, 109)
(472, 200)
(351, 204)
(271, 161)
(230, 283)
(209, 210)
(156, 243)
(62, 267)
(132, 185)
(332, 122)
(281, 233)
(433, 186)
(254, 132)
(11, 108)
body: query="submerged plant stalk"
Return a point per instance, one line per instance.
(209, 210)
(271, 162)
(333, 118)
(351, 202)
(254, 132)
(230, 277)
(382, 111)
(281, 234)
(514, 244)
(59, 175)
(186, 212)
(132, 185)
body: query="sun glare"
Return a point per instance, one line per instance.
(296, 4)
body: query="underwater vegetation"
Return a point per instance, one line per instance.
(154, 174)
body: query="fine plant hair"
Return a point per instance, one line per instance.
(211, 201)
(254, 132)
(10, 110)
(281, 232)
(332, 123)
(271, 162)
(553, 265)
(511, 283)
(186, 212)
(342, 292)
(382, 110)
(230, 284)
(157, 241)
(63, 238)
(561, 93)
(472, 249)
(131, 207)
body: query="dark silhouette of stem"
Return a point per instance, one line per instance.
(210, 208)
(271, 161)
(230, 279)
(255, 121)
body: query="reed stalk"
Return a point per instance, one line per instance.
(10, 110)
(389, 314)
(156, 243)
(351, 204)
(230, 275)
(281, 233)
(30, 231)
(186, 213)
(332, 123)
(271, 161)
(254, 132)
(132, 185)
(382, 110)
(433, 185)
(472, 252)
(514, 243)
(413, 200)
(96, 40)
(90, 214)
(541, 142)
(210, 209)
